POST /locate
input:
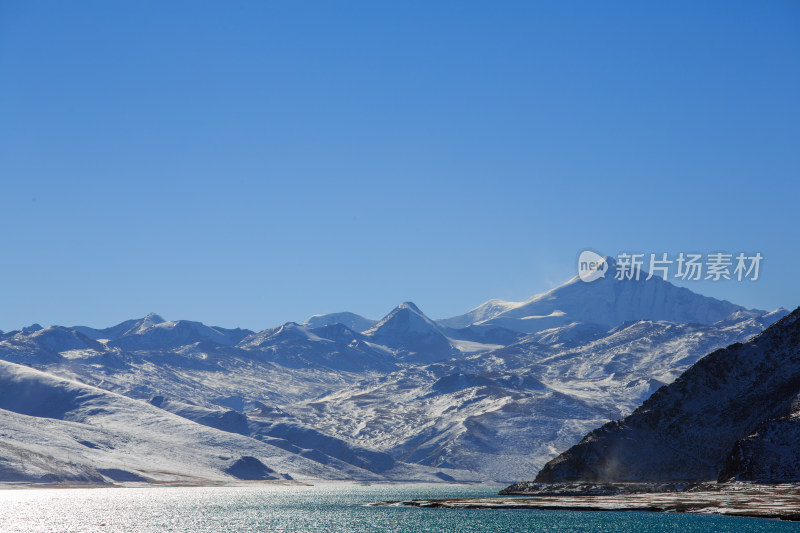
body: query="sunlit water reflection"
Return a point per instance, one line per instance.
(323, 508)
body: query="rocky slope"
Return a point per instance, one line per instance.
(769, 455)
(733, 413)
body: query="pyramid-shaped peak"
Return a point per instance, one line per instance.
(411, 334)
(410, 305)
(405, 317)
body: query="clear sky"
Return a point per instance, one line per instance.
(250, 163)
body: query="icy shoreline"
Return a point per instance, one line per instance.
(780, 501)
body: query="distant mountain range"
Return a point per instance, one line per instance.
(492, 394)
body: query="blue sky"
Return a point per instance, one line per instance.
(250, 163)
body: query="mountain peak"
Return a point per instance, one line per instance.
(410, 305)
(351, 320)
(406, 316)
(154, 318)
(143, 324)
(407, 330)
(606, 301)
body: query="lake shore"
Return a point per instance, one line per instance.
(25, 485)
(781, 501)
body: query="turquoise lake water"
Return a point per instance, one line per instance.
(322, 508)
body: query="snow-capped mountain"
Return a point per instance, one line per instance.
(733, 413)
(153, 332)
(606, 301)
(333, 346)
(132, 327)
(414, 336)
(44, 345)
(493, 395)
(484, 312)
(506, 412)
(353, 321)
(173, 334)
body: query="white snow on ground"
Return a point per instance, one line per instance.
(468, 347)
(409, 398)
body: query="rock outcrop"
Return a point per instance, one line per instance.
(732, 414)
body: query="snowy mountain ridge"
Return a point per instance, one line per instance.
(606, 301)
(490, 397)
